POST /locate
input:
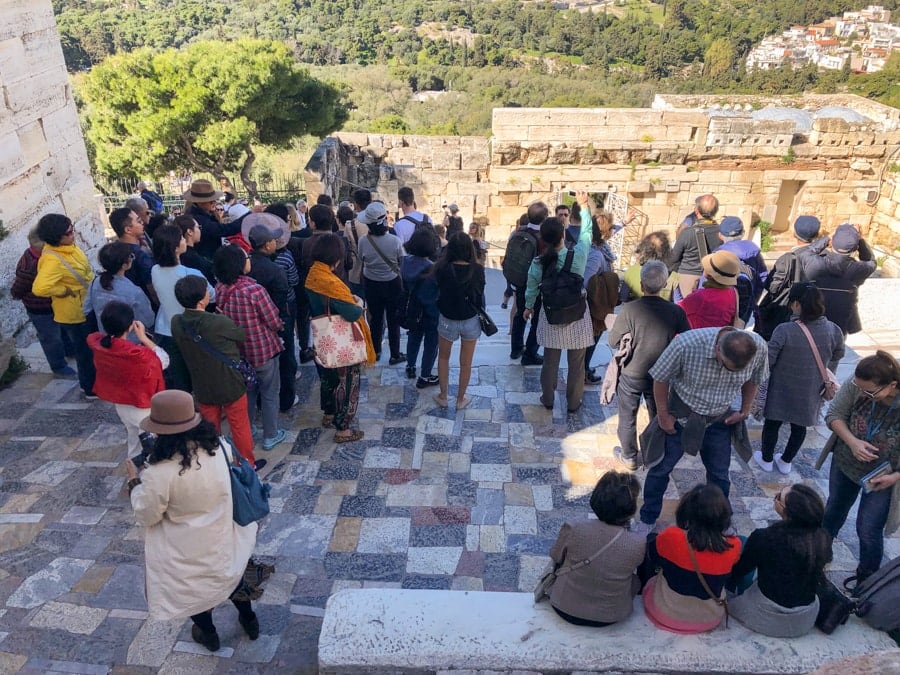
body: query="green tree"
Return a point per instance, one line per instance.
(718, 62)
(205, 107)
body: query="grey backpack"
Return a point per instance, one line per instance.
(878, 598)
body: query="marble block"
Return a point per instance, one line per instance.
(397, 630)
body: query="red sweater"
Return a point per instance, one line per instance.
(710, 307)
(126, 373)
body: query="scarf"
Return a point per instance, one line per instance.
(322, 280)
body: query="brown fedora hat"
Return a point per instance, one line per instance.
(171, 412)
(722, 266)
(201, 191)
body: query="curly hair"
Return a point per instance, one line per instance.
(654, 246)
(186, 445)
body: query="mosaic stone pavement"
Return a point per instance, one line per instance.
(431, 498)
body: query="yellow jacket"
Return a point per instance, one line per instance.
(55, 281)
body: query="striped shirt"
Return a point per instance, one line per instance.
(286, 262)
(689, 366)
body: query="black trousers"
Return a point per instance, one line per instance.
(383, 298)
(517, 338)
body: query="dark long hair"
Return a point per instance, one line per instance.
(812, 302)
(551, 233)
(113, 257)
(803, 514)
(704, 514)
(186, 444)
(165, 245)
(459, 249)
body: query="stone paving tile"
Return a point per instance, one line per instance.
(430, 498)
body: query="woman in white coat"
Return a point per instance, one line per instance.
(195, 553)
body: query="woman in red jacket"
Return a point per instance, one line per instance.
(127, 374)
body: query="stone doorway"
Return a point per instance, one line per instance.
(788, 195)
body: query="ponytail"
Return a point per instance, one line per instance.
(106, 341)
(551, 233)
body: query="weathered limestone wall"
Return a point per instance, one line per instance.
(664, 159)
(886, 220)
(43, 162)
(440, 170)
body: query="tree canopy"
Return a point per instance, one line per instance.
(205, 107)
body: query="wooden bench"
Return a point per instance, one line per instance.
(395, 630)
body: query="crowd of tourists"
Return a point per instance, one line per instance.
(204, 317)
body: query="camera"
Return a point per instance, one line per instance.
(148, 440)
(572, 193)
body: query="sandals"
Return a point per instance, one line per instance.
(460, 404)
(328, 421)
(354, 435)
(440, 400)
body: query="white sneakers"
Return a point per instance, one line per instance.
(783, 467)
(765, 466)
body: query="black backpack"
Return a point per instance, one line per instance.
(773, 308)
(410, 311)
(878, 598)
(521, 250)
(562, 293)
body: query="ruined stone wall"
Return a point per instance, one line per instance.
(43, 162)
(440, 170)
(886, 221)
(664, 159)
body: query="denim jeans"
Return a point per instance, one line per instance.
(871, 517)
(715, 453)
(428, 335)
(51, 338)
(518, 340)
(84, 357)
(629, 392)
(266, 395)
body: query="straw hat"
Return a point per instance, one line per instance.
(722, 266)
(273, 223)
(171, 412)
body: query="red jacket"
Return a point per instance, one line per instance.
(711, 307)
(126, 373)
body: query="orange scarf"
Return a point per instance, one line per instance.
(322, 280)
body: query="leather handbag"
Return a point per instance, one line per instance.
(834, 606)
(830, 383)
(249, 495)
(337, 343)
(546, 582)
(488, 327)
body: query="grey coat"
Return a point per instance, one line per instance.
(794, 380)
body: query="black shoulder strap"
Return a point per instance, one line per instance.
(570, 256)
(700, 235)
(208, 348)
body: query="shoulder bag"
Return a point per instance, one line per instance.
(242, 366)
(395, 268)
(546, 583)
(834, 607)
(488, 327)
(249, 495)
(78, 277)
(337, 343)
(720, 601)
(830, 384)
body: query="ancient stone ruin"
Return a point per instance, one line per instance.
(765, 158)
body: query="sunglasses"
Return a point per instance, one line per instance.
(70, 232)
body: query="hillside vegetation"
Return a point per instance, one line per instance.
(482, 53)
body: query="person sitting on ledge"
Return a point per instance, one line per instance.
(692, 561)
(789, 557)
(599, 593)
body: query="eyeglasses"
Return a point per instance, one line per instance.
(871, 394)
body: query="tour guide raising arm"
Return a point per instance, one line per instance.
(578, 261)
(667, 421)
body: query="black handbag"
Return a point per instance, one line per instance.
(834, 606)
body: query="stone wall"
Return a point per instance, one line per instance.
(662, 158)
(43, 162)
(440, 170)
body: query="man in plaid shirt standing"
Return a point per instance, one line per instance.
(695, 381)
(248, 304)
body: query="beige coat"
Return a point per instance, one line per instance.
(195, 553)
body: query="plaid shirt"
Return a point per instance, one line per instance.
(689, 366)
(247, 304)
